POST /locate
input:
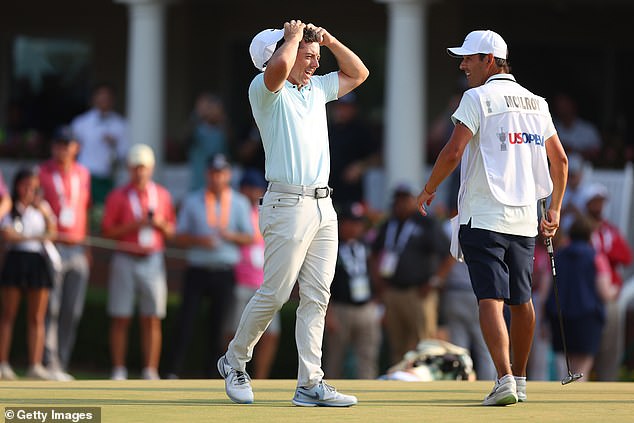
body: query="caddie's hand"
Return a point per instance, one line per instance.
(549, 224)
(294, 31)
(324, 37)
(424, 200)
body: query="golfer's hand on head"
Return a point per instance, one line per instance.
(294, 30)
(424, 200)
(549, 224)
(324, 37)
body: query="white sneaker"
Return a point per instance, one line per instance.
(39, 372)
(520, 382)
(150, 373)
(323, 395)
(237, 383)
(119, 373)
(504, 392)
(6, 372)
(58, 374)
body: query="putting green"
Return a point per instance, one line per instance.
(443, 401)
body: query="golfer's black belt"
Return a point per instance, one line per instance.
(303, 190)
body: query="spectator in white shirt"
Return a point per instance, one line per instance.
(103, 135)
(576, 134)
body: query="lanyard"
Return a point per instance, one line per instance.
(398, 245)
(61, 191)
(354, 258)
(225, 207)
(602, 240)
(135, 204)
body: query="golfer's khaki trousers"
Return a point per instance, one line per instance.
(301, 239)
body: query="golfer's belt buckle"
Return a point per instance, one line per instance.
(322, 192)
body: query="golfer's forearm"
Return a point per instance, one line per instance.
(279, 66)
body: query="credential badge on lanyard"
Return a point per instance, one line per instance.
(67, 203)
(393, 247)
(146, 233)
(354, 259)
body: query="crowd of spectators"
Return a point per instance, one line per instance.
(395, 283)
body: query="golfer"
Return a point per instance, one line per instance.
(297, 219)
(505, 136)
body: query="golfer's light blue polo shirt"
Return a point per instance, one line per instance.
(294, 128)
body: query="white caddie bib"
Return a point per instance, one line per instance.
(454, 247)
(512, 141)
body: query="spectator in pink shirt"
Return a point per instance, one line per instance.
(66, 187)
(140, 216)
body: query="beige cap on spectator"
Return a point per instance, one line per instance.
(141, 155)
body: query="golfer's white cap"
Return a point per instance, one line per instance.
(481, 41)
(263, 46)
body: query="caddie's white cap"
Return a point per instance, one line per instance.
(481, 41)
(140, 155)
(263, 46)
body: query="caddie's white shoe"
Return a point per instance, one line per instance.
(237, 383)
(504, 392)
(322, 395)
(520, 382)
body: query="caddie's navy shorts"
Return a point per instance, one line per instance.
(500, 265)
